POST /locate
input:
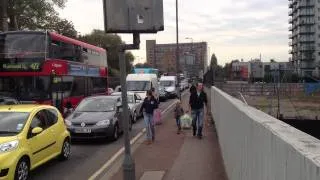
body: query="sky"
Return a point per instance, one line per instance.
(233, 29)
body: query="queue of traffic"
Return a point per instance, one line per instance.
(31, 135)
(50, 98)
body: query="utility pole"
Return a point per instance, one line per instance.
(278, 113)
(4, 15)
(177, 50)
(128, 162)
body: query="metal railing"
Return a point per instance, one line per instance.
(243, 99)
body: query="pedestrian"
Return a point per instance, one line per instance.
(197, 101)
(68, 109)
(154, 94)
(178, 113)
(193, 89)
(149, 105)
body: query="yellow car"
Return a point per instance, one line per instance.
(30, 135)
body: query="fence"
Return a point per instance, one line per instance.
(291, 89)
(256, 146)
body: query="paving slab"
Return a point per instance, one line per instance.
(154, 175)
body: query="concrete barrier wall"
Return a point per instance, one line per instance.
(256, 146)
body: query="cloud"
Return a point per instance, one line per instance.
(232, 28)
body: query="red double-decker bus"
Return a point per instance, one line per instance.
(48, 68)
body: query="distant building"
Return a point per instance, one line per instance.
(256, 70)
(193, 57)
(304, 38)
(240, 70)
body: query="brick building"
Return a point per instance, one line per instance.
(193, 57)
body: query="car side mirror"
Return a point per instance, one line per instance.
(36, 130)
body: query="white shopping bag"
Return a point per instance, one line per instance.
(186, 121)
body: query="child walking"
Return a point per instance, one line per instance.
(178, 113)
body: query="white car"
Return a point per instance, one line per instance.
(184, 84)
(169, 83)
(134, 102)
(117, 89)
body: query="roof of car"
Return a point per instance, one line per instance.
(22, 107)
(6, 97)
(119, 93)
(103, 96)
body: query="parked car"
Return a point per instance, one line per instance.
(8, 100)
(30, 135)
(97, 117)
(134, 103)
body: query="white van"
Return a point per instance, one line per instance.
(141, 83)
(170, 83)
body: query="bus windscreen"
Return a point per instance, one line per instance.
(22, 52)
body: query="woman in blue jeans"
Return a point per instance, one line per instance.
(149, 105)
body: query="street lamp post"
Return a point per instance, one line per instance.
(193, 55)
(177, 49)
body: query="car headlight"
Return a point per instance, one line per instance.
(9, 146)
(103, 123)
(68, 122)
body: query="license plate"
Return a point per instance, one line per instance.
(83, 130)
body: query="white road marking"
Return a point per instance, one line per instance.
(116, 156)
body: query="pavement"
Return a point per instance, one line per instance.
(178, 157)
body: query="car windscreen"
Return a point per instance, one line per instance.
(138, 85)
(96, 105)
(12, 123)
(166, 83)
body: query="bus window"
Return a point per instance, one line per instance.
(99, 85)
(78, 87)
(65, 51)
(26, 88)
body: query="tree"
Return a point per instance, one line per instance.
(214, 61)
(62, 26)
(38, 15)
(111, 43)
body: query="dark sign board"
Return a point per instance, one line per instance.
(20, 67)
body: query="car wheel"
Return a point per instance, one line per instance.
(66, 150)
(115, 135)
(22, 170)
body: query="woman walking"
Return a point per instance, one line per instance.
(149, 105)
